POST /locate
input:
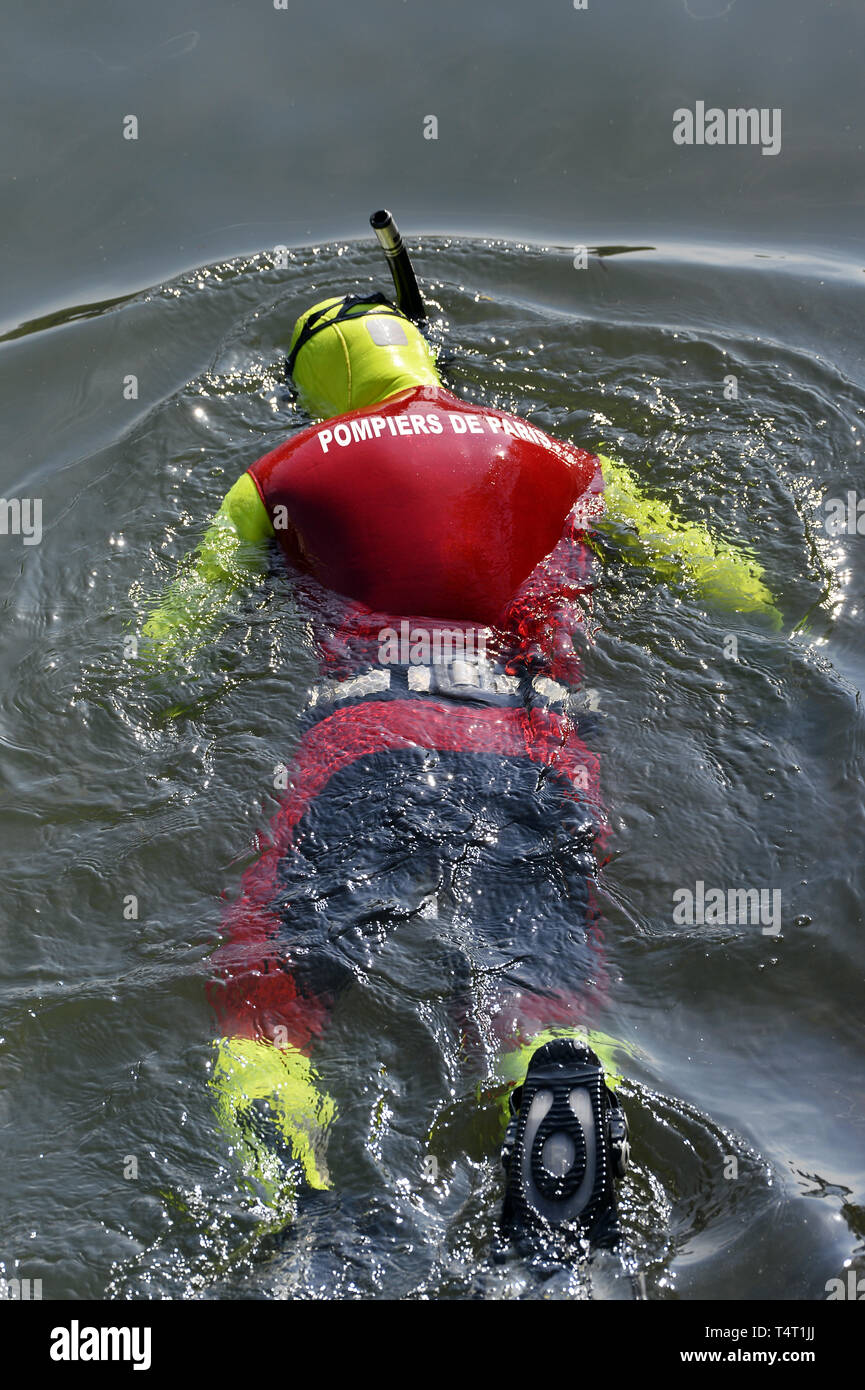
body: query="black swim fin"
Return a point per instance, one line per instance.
(566, 1143)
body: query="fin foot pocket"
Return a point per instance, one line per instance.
(566, 1143)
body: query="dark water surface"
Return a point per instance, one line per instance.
(740, 772)
(259, 126)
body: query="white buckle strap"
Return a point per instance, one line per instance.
(354, 688)
(472, 679)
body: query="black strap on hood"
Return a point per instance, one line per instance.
(314, 325)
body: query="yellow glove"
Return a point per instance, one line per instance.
(650, 533)
(230, 553)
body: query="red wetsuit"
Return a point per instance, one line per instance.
(423, 508)
(422, 505)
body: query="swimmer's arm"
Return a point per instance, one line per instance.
(647, 531)
(232, 553)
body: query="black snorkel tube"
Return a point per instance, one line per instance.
(408, 296)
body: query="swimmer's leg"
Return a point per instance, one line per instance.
(271, 1012)
(275, 1116)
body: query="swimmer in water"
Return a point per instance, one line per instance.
(444, 553)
